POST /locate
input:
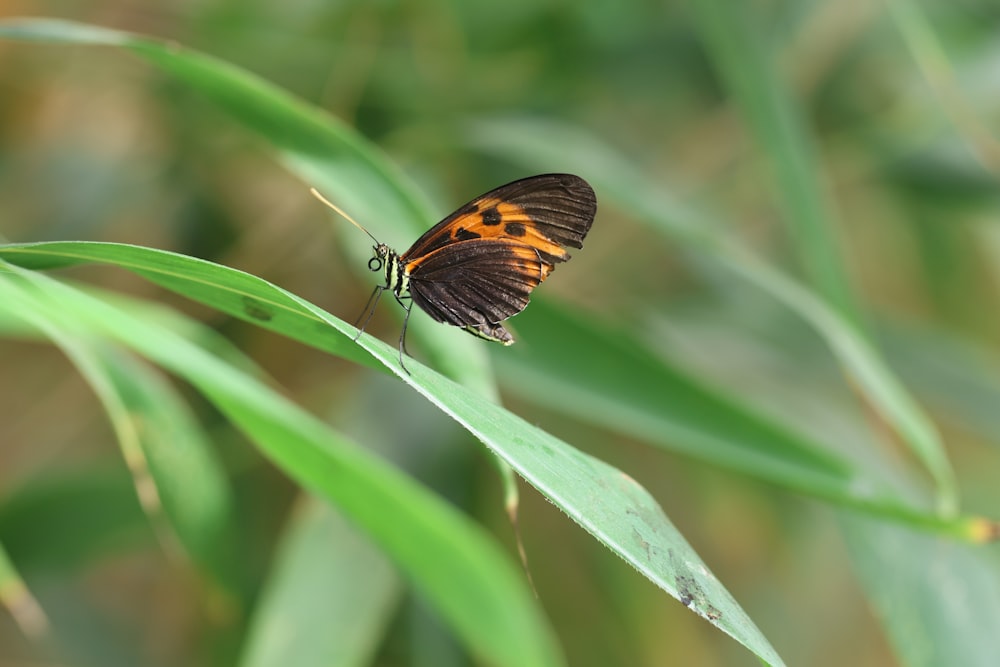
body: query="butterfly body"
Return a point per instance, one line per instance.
(478, 266)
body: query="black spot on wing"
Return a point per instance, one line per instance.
(463, 234)
(491, 216)
(514, 228)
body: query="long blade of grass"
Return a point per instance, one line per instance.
(321, 552)
(94, 512)
(607, 503)
(750, 74)
(630, 390)
(20, 603)
(177, 480)
(958, 377)
(932, 59)
(473, 585)
(328, 599)
(938, 600)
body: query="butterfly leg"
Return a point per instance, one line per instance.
(408, 306)
(369, 309)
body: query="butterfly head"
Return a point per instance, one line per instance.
(380, 258)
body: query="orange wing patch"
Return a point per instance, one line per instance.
(497, 219)
(489, 218)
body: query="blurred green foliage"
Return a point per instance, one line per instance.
(782, 325)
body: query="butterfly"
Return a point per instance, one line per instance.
(479, 265)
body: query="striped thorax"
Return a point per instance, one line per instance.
(396, 277)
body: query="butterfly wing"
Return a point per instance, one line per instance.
(477, 284)
(547, 212)
(478, 266)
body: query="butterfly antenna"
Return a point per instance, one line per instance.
(336, 208)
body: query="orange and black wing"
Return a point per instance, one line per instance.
(477, 284)
(548, 213)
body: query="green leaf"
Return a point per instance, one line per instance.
(329, 597)
(474, 586)
(164, 445)
(939, 600)
(629, 389)
(921, 38)
(750, 74)
(607, 503)
(177, 480)
(93, 511)
(20, 603)
(957, 377)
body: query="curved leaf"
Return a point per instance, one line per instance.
(177, 480)
(605, 501)
(473, 584)
(329, 597)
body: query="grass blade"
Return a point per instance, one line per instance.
(473, 585)
(607, 503)
(329, 597)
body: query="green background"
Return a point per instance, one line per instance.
(783, 326)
